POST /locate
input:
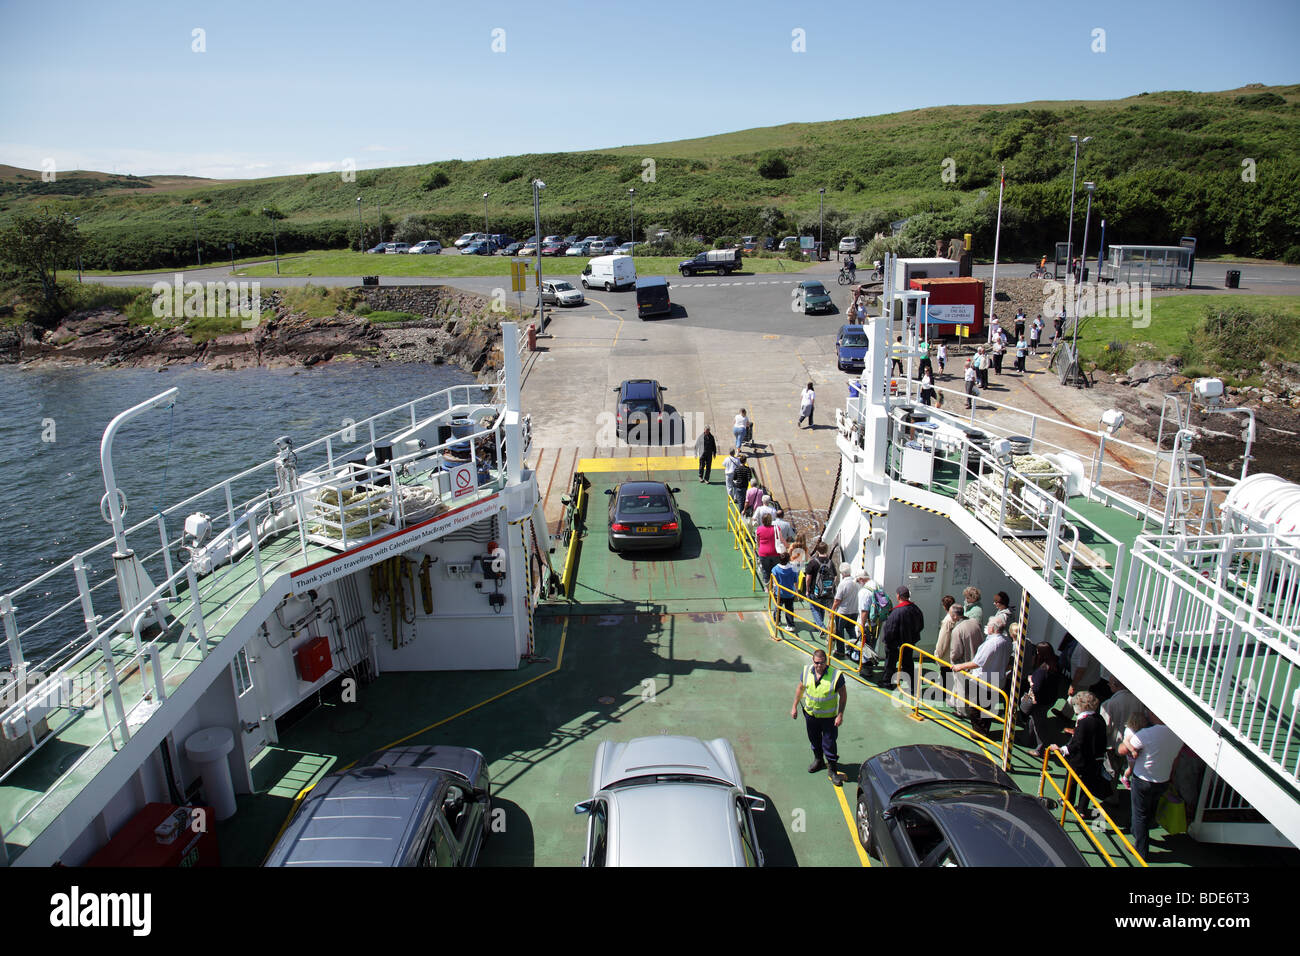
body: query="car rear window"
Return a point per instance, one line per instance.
(642, 504)
(639, 390)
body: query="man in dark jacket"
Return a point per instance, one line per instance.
(740, 476)
(903, 626)
(705, 449)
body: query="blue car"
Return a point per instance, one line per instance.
(851, 348)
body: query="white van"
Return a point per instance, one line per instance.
(609, 273)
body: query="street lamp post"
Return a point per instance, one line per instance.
(1069, 238)
(538, 186)
(821, 221)
(631, 204)
(1088, 187)
(275, 238)
(75, 220)
(485, 224)
(197, 251)
(361, 229)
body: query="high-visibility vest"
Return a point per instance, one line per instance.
(820, 699)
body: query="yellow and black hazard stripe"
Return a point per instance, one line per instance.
(904, 501)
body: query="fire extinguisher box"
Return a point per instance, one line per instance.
(313, 659)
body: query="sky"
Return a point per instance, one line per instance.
(238, 89)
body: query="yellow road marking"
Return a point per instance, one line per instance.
(650, 463)
(559, 662)
(619, 331)
(853, 827)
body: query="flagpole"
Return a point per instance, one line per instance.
(997, 238)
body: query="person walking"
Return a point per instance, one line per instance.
(1020, 324)
(729, 470)
(705, 448)
(1087, 747)
(765, 507)
(1116, 711)
(903, 626)
(740, 427)
(784, 582)
(926, 367)
(754, 498)
(822, 697)
(943, 359)
(765, 535)
(819, 582)
(972, 386)
(807, 401)
(927, 389)
(740, 477)
(784, 533)
(1022, 351)
(999, 352)
(844, 610)
(1153, 750)
(897, 367)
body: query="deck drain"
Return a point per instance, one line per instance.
(604, 700)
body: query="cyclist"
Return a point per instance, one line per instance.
(850, 267)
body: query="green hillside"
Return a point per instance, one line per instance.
(1166, 164)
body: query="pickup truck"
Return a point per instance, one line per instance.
(722, 261)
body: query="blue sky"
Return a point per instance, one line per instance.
(288, 87)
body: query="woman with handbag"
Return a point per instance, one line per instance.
(1044, 691)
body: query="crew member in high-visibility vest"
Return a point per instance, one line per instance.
(823, 697)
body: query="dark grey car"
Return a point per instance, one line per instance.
(406, 806)
(926, 805)
(643, 515)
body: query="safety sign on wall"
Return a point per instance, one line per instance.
(922, 567)
(464, 480)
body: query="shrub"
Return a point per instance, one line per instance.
(435, 180)
(772, 166)
(1114, 357)
(1257, 100)
(1292, 256)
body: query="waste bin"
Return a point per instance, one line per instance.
(1232, 280)
(370, 280)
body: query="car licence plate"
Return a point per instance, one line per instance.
(646, 529)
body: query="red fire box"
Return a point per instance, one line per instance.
(313, 659)
(955, 291)
(140, 842)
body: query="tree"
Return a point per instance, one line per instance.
(32, 248)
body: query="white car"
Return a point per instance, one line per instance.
(561, 292)
(626, 248)
(469, 237)
(849, 244)
(787, 242)
(429, 247)
(397, 248)
(669, 801)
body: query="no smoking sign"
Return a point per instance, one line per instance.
(463, 480)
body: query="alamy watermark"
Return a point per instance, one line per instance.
(208, 300)
(1130, 300)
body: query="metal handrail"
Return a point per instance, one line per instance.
(949, 694)
(1071, 780)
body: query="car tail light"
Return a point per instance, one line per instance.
(671, 526)
(617, 526)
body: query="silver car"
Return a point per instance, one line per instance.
(669, 801)
(560, 292)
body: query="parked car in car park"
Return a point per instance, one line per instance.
(405, 806)
(849, 244)
(787, 242)
(427, 247)
(669, 801)
(378, 249)
(627, 248)
(609, 272)
(599, 247)
(397, 248)
(479, 247)
(572, 239)
(512, 249)
(468, 238)
(561, 292)
(529, 248)
(554, 248)
(580, 248)
(929, 805)
(812, 297)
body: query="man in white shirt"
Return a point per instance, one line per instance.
(846, 603)
(766, 508)
(1154, 750)
(990, 663)
(730, 465)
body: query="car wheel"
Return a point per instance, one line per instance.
(609, 287)
(584, 284)
(864, 825)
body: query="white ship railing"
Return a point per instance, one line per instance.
(1233, 658)
(85, 613)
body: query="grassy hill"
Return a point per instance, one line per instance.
(1166, 164)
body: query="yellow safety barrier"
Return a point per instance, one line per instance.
(742, 540)
(950, 695)
(774, 624)
(1067, 805)
(575, 540)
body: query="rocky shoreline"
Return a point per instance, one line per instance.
(455, 327)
